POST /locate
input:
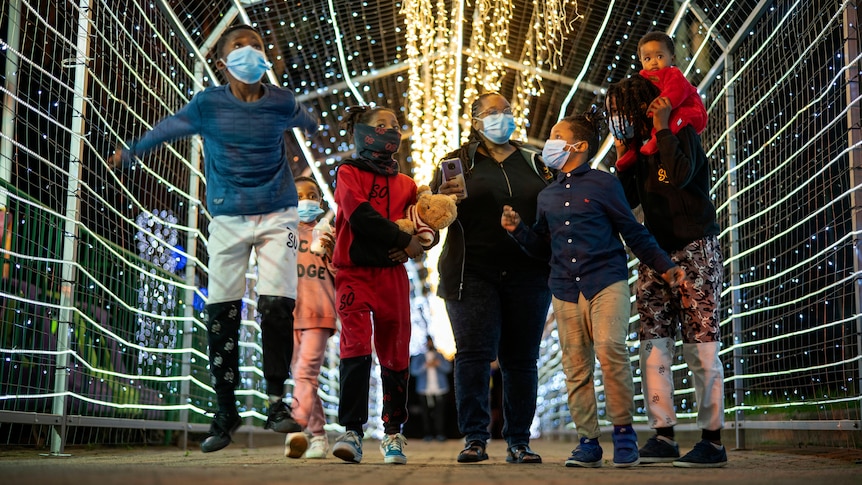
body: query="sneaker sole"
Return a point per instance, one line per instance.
(346, 455)
(646, 460)
(583, 464)
(627, 465)
(296, 447)
(396, 460)
(689, 464)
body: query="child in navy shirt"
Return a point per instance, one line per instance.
(579, 220)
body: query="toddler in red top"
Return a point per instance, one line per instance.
(655, 52)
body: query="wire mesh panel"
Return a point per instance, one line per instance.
(129, 294)
(790, 185)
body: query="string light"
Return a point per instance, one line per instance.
(431, 83)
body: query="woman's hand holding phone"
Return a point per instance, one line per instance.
(453, 178)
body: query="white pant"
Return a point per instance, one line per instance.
(656, 356)
(274, 238)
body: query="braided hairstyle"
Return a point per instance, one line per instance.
(588, 127)
(631, 97)
(360, 115)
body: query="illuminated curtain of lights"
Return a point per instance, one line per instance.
(549, 24)
(431, 83)
(488, 46)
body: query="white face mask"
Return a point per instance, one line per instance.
(498, 128)
(554, 153)
(247, 64)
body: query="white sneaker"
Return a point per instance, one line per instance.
(295, 444)
(317, 448)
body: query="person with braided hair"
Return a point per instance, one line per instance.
(578, 225)
(672, 187)
(496, 296)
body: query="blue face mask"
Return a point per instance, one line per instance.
(308, 210)
(621, 131)
(247, 64)
(498, 128)
(554, 153)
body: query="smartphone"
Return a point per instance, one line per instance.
(453, 170)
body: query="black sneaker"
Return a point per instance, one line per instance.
(703, 455)
(659, 450)
(224, 424)
(279, 419)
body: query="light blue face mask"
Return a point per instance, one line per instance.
(554, 153)
(621, 131)
(498, 128)
(247, 64)
(308, 210)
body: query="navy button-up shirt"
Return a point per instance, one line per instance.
(579, 221)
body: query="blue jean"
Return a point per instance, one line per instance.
(498, 318)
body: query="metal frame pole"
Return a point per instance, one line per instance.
(70, 231)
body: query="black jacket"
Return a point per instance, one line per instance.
(672, 186)
(477, 230)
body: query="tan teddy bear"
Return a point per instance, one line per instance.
(431, 213)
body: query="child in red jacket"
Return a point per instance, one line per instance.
(371, 286)
(655, 52)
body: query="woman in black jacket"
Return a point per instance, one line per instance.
(496, 296)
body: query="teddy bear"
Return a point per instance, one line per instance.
(429, 214)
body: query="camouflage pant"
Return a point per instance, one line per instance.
(693, 306)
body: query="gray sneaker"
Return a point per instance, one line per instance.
(348, 447)
(659, 450)
(703, 455)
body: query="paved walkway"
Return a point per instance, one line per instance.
(429, 463)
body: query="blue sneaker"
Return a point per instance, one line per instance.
(392, 448)
(703, 455)
(659, 449)
(348, 447)
(588, 454)
(625, 447)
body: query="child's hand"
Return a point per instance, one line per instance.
(414, 249)
(510, 219)
(328, 242)
(660, 108)
(674, 277)
(398, 255)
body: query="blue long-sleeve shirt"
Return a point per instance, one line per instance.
(245, 157)
(579, 220)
